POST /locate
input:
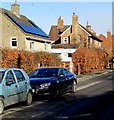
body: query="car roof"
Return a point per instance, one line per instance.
(5, 69)
(50, 68)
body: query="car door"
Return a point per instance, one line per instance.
(69, 79)
(23, 84)
(62, 78)
(10, 88)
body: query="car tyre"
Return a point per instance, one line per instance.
(1, 106)
(29, 99)
(74, 87)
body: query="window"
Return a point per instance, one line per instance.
(45, 46)
(32, 45)
(61, 72)
(65, 40)
(10, 77)
(19, 75)
(69, 54)
(1, 75)
(66, 71)
(13, 42)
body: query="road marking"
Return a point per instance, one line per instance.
(88, 85)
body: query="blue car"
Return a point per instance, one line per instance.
(53, 81)
(14, 87)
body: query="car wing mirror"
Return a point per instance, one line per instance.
(62, 76)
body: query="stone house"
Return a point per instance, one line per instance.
(68, 38)
(19, 32)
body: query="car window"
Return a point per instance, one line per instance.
(61, 72)
(44, 73)
(10, 78)
(19, 75)
(1, 76)
(67, 72)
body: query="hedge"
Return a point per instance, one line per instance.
(87, 60)
(12, 58)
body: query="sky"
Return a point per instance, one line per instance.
(45, 14)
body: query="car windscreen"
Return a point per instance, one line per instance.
(1, 75)
(44, 73)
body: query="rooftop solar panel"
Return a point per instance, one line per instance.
(33, 23)
(33, 30)
(27, 28)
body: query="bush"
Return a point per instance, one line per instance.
(87, 60)
(12, 58)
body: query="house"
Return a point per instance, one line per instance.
(68, 38)
(108, 42)
(19, 32)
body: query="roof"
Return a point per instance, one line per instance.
(66, 46)
(92, 35)
(24, 23)
(56, 31)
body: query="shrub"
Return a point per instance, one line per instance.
(12, 58)
(87, 60)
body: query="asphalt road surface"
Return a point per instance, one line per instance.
(94, 100)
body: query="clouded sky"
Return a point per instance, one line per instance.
(45, 14)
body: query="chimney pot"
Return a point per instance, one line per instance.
(60, 22)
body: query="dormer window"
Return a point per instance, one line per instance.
(65, 40)
(14, 42)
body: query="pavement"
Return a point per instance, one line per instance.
(90, 75)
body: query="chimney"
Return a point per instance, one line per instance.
(108, 34)
(74, 35)
(94, 32)
(60, 22)
(74, 23)
(15, 8)
(88, 26)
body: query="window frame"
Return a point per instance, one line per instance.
(32, 45)
(67, 41)
(6, 78)
(18, 80)
(11, 41)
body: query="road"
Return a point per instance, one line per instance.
(92, 101)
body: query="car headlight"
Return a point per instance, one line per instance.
(45, 85)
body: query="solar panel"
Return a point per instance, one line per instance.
(27, 28)
(33, 23)
(33, 30)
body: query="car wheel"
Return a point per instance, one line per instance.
(74, 87)
(29, 98)
(1, 106)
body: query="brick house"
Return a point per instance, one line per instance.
(18, 32)
(68, 38)
(108, 42)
